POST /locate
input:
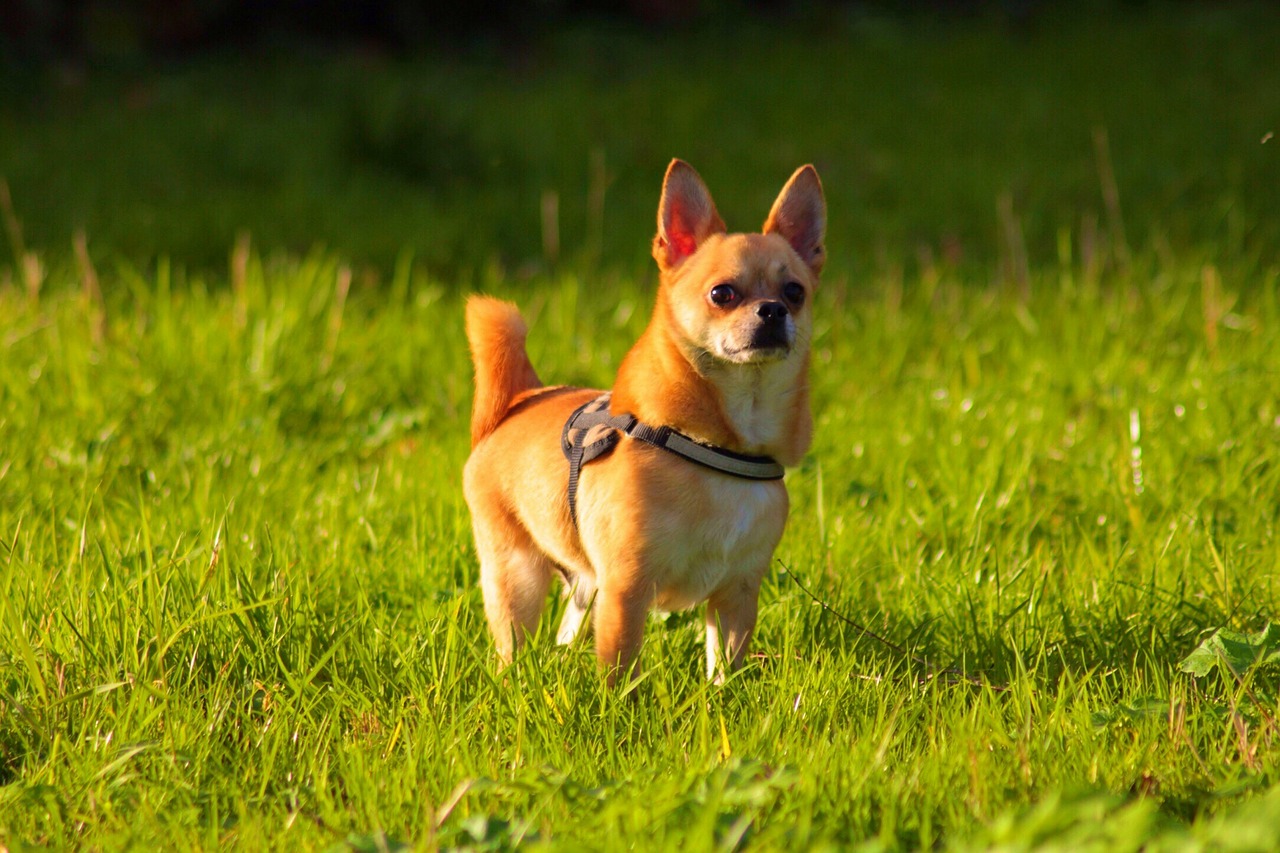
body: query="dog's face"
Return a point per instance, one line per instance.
(744, 299)
(740, 298)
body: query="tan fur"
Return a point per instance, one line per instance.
(654, 530)
(496, 332)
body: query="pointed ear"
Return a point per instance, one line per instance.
(686, 216)
(800, 216)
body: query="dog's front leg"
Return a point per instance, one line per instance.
(731, 617)
(619, 624)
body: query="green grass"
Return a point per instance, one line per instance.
(917, 128)
(238, 598)
(241, 599)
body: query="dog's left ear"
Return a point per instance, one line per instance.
(800, 216)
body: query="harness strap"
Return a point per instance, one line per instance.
(591, 432)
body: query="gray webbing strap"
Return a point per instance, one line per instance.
(591, 432)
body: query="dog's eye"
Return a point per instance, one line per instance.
(724, 294)
(793, 292)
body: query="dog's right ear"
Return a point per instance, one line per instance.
(686, 216)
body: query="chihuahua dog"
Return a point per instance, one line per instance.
(685, 502)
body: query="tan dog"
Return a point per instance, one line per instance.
(724, 362)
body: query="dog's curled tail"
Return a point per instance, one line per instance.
(496, 334)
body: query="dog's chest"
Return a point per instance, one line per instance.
(726, 529)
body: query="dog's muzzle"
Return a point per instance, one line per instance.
(770, 331)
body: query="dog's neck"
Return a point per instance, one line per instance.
(755, 409)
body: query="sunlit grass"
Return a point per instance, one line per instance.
(241, 604)
(238, 597)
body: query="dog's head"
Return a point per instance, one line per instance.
(740, 298)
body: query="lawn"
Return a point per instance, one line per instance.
(237, 585)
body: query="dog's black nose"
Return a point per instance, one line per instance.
(771, 311)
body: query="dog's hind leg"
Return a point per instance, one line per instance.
(515, 577)
(581, 593)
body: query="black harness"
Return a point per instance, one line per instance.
(591, 432)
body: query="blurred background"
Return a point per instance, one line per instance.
(527, 136)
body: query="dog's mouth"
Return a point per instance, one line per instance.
(769, 336)
(755, 343)
(756, 351)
